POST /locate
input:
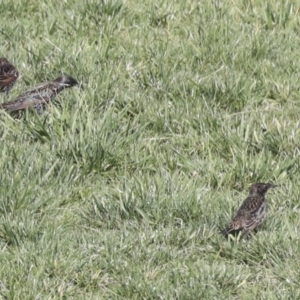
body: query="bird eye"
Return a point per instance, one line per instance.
(6, 69)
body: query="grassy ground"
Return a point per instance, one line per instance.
(119, 193)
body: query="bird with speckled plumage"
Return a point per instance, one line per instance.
(40, 96)
(251, 213)
(8, 75)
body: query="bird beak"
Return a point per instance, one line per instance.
(273, 186)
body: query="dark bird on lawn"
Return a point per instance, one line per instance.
(39, 96)
(251, 213)
(8, 75)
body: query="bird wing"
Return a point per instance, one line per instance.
(255, 216)
(243, 224)
(6, 80)
(34, 96)
(38, 89)
(247, 216)
(251, 212)
(20, 103)
(251, 224)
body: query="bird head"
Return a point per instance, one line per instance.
(260, 188)
(66, 81)
(3, 61)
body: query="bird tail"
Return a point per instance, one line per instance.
(224, 231)
(229, 230)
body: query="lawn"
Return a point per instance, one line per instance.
(120, 192)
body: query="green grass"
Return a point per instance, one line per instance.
(119, 194)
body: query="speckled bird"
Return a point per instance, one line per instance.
(8, 75)
(40, 96)
(251, 213)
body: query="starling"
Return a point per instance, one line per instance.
(251, 213)
(8, 75)
(40, 96)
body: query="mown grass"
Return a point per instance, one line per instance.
(119, 194)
